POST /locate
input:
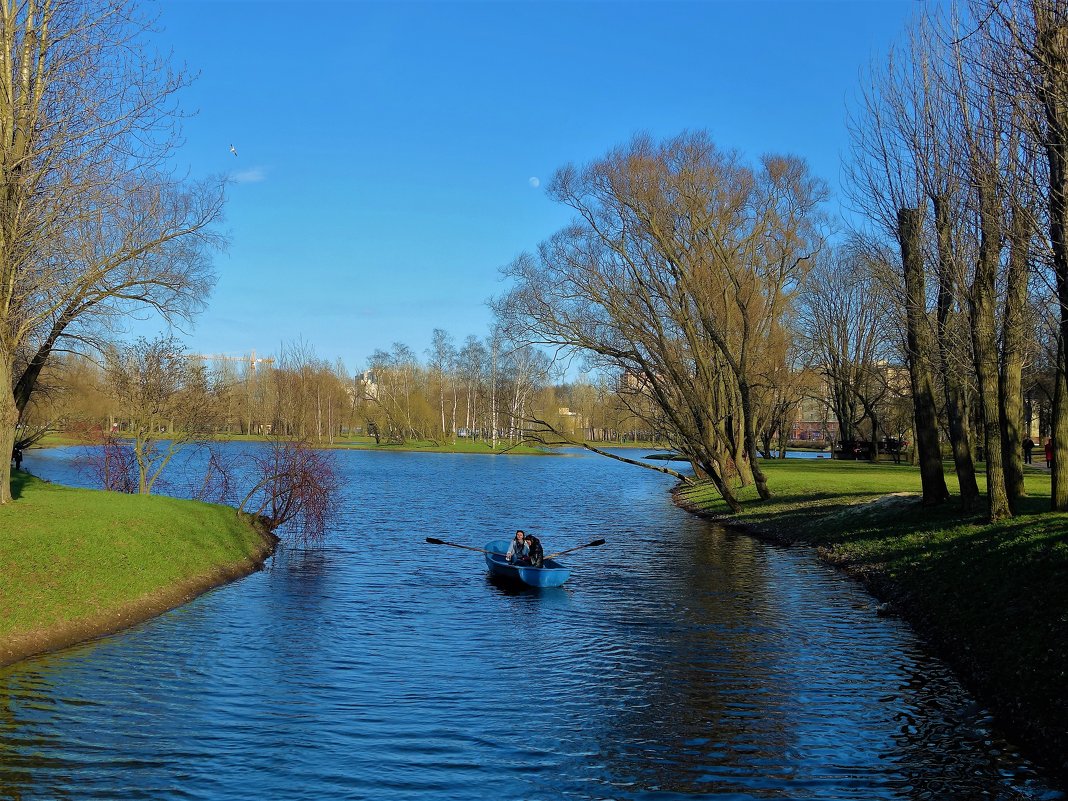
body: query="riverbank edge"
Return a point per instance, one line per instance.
(365, 444)
(151, 605)
(1024, 723)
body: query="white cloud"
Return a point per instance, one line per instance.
(253, 175)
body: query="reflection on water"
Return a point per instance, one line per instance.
(679, 660)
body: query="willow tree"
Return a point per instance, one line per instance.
(679, 273)
(91, 225)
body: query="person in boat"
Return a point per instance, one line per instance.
(535, 554)
(517, 549)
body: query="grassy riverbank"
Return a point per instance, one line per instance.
(990, 598)
(357, 442)
(462, 445)
(354, 442)
(75, 564)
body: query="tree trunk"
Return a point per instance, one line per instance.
(874, 436)
(454, 402)
(318, 415)
(9, 417)
(919, 349)
(984, 347)
(1059, 431)
(1013, 346)
(1051, 47)
(142, 466)
(749, 436)
(441, 393)
(956, 393)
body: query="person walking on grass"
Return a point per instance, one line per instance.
(1049, 452)
(1028, 446)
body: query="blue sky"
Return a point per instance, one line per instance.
(386, 151)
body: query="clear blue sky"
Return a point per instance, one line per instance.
(386, 151)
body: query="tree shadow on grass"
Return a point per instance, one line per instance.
(19, 480)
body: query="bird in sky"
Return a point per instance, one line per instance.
(233, 150)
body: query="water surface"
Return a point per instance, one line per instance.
(679, 661)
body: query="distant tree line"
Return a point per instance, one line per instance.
(486, 390)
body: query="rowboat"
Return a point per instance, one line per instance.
(551, 574)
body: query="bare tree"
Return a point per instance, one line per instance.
(167, 402)
(90, 226)
(442, 361)
(886, 183)
(295, 488)
(1029, 68)
(845, 306)
(943, 134)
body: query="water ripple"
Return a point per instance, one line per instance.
(679, 661)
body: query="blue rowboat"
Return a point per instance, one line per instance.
(551, 574)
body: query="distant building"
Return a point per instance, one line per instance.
(570, 422)
(367, 386)
(814, 421)
(633, 381)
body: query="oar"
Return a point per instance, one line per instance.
(593, 544)
(436, 541)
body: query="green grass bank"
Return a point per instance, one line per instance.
(353, 442)
(359, 442)
(77, 564)
(991, 599)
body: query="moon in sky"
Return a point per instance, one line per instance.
(534, 182)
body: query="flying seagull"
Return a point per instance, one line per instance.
(233, 150)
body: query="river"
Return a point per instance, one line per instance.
(680, 660)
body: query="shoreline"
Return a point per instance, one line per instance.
(151, 605)
(1044, 741)
(461, 447)
(77, 565)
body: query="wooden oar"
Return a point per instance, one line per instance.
(436, 541)
(593, 544)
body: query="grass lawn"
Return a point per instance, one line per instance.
(356, 442)
(462, 445)
(56, 439)
(73, 557)
(991, 598)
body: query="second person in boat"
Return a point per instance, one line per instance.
(535, 554)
